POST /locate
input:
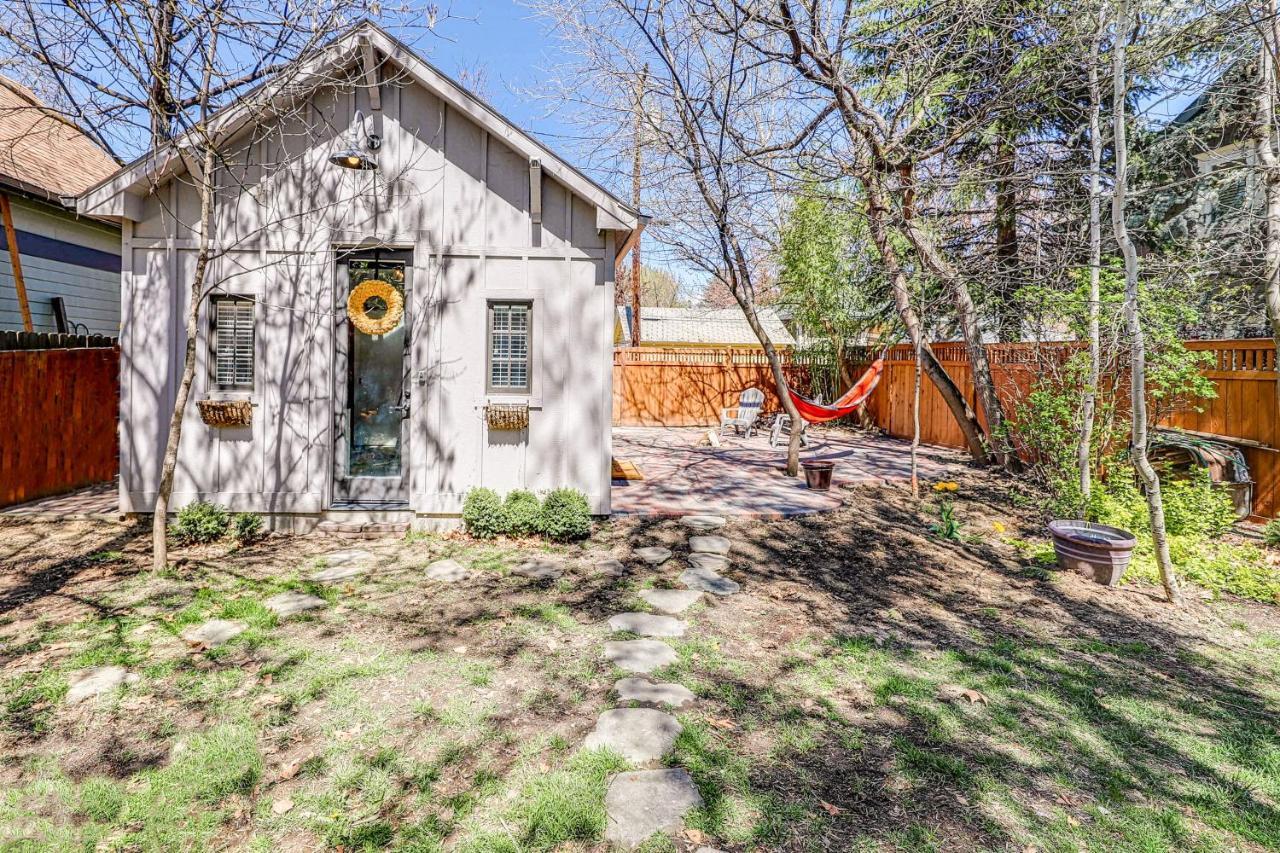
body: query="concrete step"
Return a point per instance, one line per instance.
(362, 529)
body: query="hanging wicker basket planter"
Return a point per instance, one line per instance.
(507, 416)
(226, 413)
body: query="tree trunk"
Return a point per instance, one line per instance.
(915, 423)
(1269, 161)
(877, 214)
(160, 516)
(1088, 404)
(1004, 168)
(1137, 367)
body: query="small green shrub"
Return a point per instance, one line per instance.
(523, 513)
(1271, 533)
(483, 514)
(565, 515)
(246, 527)
(201, 522)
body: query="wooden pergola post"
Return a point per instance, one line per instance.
(11, 239)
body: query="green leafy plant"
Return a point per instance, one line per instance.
(948, 525)
(246, 527)
(523, 513)
(1271, 533)
(201, 521)
(483, 514)
(566, 515)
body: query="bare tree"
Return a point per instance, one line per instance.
(1088, 403)
(715, 128)
(1137, 346)
(1268, 23)
(160, 75)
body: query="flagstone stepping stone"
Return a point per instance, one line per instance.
(88, 683)
(709, 544)
(215, 632)
(538, 570)
(346, 557)
(640, 735)
(647, 624)
(708, 581)
(292, 603)
(449, 571)
(611, 568)
(645, 803)
(339, 573)
(639, 655)
(709, 562)
(703, 522)
(673, 601)
(653, 692)
(654, 555)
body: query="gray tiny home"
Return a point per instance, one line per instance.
(412, 296)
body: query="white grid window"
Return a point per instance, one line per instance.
(510, 333)
(233, 343)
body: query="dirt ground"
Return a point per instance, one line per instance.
(872, 687)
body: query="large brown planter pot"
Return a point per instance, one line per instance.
(1096, 549)
(817, 474)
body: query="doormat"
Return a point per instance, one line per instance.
(625, 469)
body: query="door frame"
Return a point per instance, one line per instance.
(369, 492)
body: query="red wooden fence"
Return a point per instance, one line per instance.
(59, 430)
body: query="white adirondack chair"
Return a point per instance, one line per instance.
(743, 416)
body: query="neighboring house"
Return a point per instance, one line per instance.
(500, 254)
(45, 162)
(699, 327)
(1198, 191)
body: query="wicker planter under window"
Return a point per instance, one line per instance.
(507, 416)
(226, 413)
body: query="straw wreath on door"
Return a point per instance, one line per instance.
(368, 297)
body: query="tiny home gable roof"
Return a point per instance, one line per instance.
(366, 44)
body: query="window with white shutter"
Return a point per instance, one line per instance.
(510, 344)
(232, 340)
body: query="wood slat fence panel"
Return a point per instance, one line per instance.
(61, 431)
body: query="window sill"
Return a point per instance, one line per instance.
(527, 399)
(230, 395)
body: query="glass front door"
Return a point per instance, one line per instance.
(373, 369)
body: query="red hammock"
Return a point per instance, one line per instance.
(853, 399)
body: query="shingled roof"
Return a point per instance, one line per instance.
(702, 326)
(41, 152)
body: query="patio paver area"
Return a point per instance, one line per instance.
(744, 476)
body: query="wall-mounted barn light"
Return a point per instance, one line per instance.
(351, 156)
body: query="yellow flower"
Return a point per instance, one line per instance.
(945, 486)
(998, 526)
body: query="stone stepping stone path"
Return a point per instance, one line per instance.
(706, 580)
(703, 522)
(329, 574)
(215, 632)
(648, 802)
(654, 555)
(647, 624)
(640, 735)
(709, 544)
(611, 568)
(673, 601)
(539, 570)
(640, 655)
(88, 683)
(710, 562)
(449, 571)
(653, 692)
(292, 603)
(347, 557)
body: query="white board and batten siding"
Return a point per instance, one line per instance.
(459, 198)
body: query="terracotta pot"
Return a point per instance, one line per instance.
(1096, 549)
(817, 474)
